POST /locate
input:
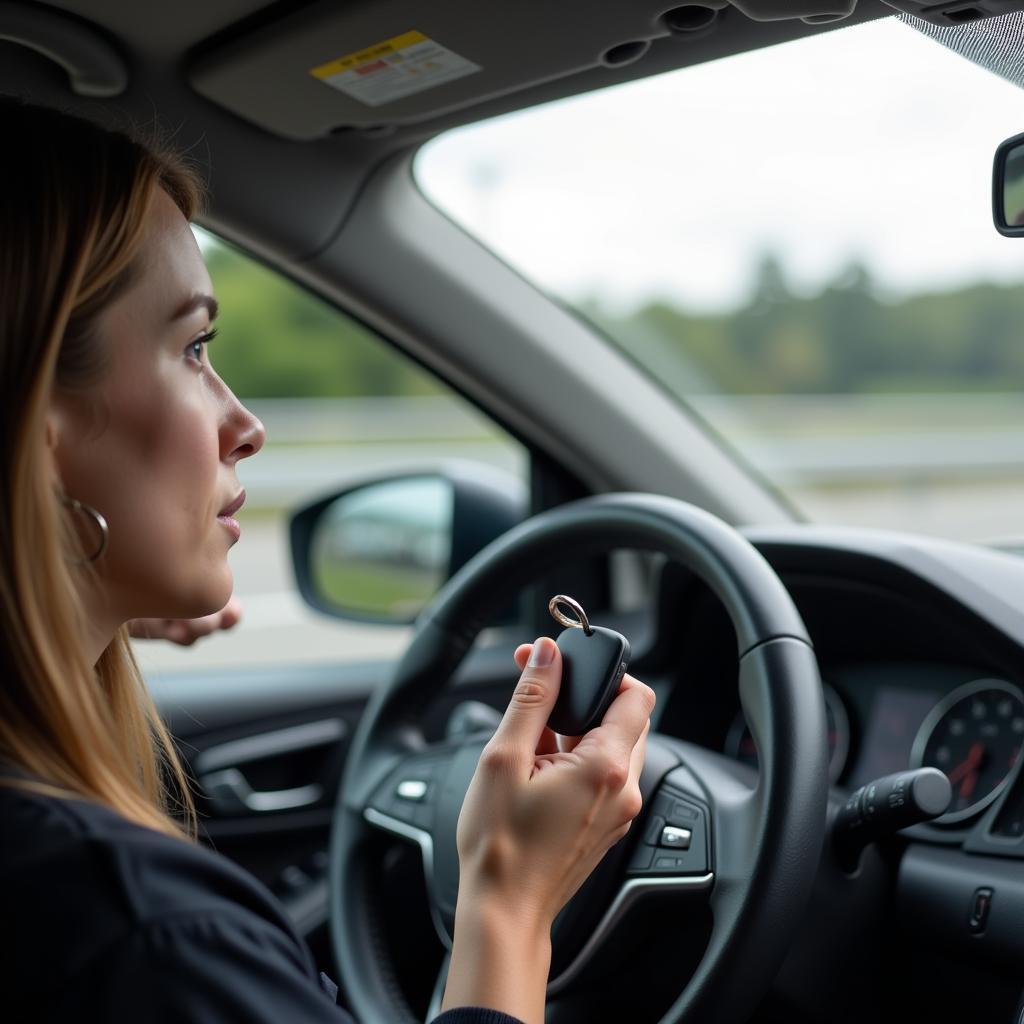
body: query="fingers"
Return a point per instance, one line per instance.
(548, 742)
(185, 632)
(636, 758)
(557, 741)
(139, 628)
(631, 709)
(628, 718)
(231, 613)
(179, 632)
(569, 743)
(524, 723)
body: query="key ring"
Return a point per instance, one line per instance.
(582, 622)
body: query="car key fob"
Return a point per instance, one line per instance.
(594, 660)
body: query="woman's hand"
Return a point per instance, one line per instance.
(186, 631)
(535, 822)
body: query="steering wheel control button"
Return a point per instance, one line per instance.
(594, 660)
(675, 838)
(408, 792)
(667, 863)
(412, 789)
(981, 904)
(684, 812)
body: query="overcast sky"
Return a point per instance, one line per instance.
(870, 142)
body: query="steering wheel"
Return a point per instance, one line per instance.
(749, 852)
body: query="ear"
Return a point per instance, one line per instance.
(59, 428)
(64, 421)
(52, 443)
(51, 431)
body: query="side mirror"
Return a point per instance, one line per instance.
(379, 551)
(1008, 187)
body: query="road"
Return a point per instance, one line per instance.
(950, 466)
(279, 628)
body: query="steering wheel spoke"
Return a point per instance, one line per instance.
(406, 800)
(676, 840)
(672, 853)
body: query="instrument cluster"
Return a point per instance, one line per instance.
(973, 733)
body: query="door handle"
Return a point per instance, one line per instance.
(229, 792)
(272, 744)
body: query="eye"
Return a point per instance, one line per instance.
(195, 348)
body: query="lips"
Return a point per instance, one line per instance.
(231, 509)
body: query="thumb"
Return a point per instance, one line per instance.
(524, 720)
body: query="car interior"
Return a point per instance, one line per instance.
(833, 826)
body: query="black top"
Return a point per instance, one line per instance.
(104, 920)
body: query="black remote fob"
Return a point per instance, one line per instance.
(594, 660)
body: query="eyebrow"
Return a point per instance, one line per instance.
(190, 305)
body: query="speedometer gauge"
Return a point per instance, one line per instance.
(974, 735)
(740, 743)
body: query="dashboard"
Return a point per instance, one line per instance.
(921, 650)
(966, 723)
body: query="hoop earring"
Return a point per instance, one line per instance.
(101, 524)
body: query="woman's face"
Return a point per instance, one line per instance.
(154, 445)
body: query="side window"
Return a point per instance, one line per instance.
(339, 405)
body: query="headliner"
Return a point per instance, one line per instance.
(287, 196)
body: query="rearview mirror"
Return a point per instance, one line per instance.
(1008, 187)
(379, 552)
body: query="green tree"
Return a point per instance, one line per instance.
(845, 339)
(276, 340)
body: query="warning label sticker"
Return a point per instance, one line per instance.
(402, 66)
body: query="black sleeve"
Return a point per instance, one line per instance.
(213, 969)
(474, 1015)
(198, 969)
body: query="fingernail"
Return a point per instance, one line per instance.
(543, 653)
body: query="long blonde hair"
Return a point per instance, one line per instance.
(74, 200)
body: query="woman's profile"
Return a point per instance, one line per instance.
(120, 448)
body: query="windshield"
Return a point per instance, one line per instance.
(798, 244)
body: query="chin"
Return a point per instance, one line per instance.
(165, 588)
(201, 599)
(211, 601)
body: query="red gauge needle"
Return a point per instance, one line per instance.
(967, 769)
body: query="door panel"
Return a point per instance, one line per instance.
(257, 741)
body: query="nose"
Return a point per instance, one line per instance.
(243, 434)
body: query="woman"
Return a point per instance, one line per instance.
(120, 449)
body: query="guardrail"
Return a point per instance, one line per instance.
(800, 441)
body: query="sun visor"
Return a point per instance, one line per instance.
(333, 67)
